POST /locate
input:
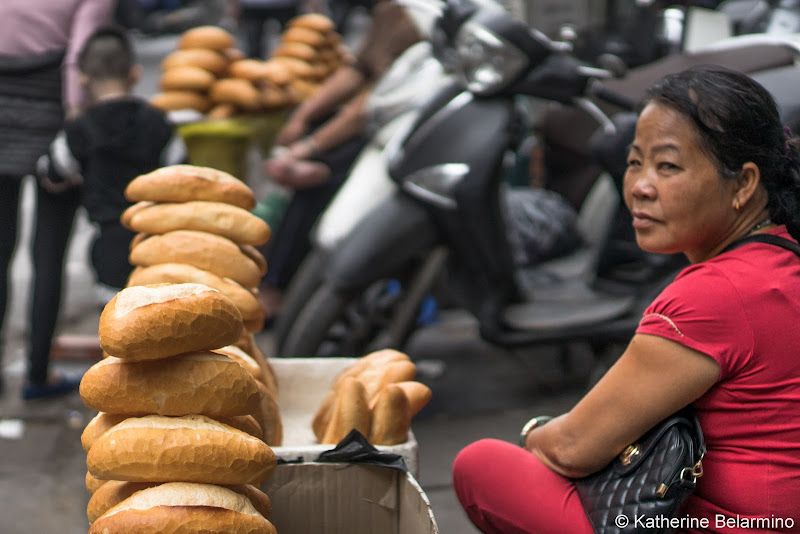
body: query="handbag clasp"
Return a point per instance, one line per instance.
(630, 452)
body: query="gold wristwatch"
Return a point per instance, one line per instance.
(539, 420)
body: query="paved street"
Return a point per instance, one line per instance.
(478, 392)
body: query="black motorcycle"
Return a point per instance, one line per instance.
(445, 226)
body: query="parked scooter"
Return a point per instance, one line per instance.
(447, 216)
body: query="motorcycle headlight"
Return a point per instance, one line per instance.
(488, 62)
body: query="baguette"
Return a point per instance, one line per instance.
(418, 395)
(182, 183)
(177, 273)
(203, 250)
(178, 100)
(350, 411)
(391, 417)
(186, 78)
(115, 491)
(93, 483)
(242, 358)
(210, 60)
(98, 426)
(183, 508)
(237, 91)
(192, 448)
(162, 320)
(203, 383)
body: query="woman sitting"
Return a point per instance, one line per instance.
(710, 164)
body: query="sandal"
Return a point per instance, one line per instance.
(59, 385)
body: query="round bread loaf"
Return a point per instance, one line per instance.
(237, 91)
(162, 320)
(97, 427)
(297, 50)
(115, 491)
(177, 273)
(132, 210)
(210, 60)
(203, 250)
(221, 111)
(178, 100)
(242, 358)
(247, 69)
(183, 508)
(192, 448)
(186, 78)
(182, 183)
(296, 67)
(103, 421)
(313, 21)
(304, 35)
(92, 483)
(208, 37)
(227, 220)
(276, 72)
(203, 383)
(276, 97)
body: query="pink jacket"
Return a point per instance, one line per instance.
(31, 27)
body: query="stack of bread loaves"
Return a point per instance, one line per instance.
(376, 395)
(310, 50)
(193, 226)
(208, 74)
(175, 446)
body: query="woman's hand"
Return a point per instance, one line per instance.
(292, 131)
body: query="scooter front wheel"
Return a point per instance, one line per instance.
(333, 324)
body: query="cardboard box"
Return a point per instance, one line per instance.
(336, 498)
(302, 384)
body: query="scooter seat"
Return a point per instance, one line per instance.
(569, 305)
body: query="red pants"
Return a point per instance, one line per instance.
(506, 490)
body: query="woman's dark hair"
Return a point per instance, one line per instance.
(738, 121)
(107, 54)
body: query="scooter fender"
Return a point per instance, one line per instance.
(391, 235)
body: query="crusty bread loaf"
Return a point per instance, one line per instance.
(162, 320)
(233, 222)
(247, 69)
(418, 395)
(182, 183)
(178, 273)
(297, 50)
(312, 21)
(132, 210)
(210, 60)
(221, 111)
(350, 411)
(253, 253)
(237, 91)
(245, 423)
(203, 383)
(203, 250)
(183, 508)
(186, 78)
(304, 35)
(93, 483)
(242, 358)
(115, 491)
(276, 73)
(192, 448)
(178, 100)
(271, 417)
(97, 427)
(391, 417)
(208, 37)
(376, 379)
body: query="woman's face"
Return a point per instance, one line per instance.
(678, 200)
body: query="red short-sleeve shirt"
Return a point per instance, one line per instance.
(742, 309)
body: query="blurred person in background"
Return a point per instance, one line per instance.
(254, 15)
(39, 86)
(118, 137)
(322, 138)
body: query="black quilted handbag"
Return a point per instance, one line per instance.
(645, 486)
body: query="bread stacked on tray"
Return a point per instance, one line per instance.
(208, 74)
(176, 444)
(377, 395)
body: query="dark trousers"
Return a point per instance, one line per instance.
(291, 241)
(253, 21)
(55, 214)
(110, 252)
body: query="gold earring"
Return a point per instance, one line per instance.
(736, 204)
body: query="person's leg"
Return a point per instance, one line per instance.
(9, 208)
(110, 252)
(252, 21)
(504, 489)
(54, 218)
